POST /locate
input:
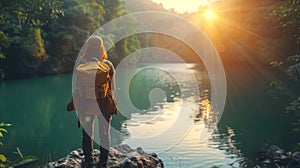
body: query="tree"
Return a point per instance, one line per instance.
(287, 21)
(286, 17)
(65, 35)
(21, 45)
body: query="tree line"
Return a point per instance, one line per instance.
(40, 37)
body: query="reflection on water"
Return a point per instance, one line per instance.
(190, 152)
(179, 130)
(224, 140)
(172, 119)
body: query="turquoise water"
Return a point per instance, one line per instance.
(158, 122)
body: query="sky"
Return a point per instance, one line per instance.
(182, 6)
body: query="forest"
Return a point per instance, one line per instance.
(44, 37)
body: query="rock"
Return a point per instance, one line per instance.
(273, 156)
(140, 151)
(119, 156)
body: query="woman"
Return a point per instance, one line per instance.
(93, 55)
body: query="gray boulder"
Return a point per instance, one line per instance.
(119, 156)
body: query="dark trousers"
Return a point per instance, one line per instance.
(87, 122)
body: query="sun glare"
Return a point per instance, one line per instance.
(209, 14)
(181, 6)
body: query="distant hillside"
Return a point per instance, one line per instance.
(142, 5)
(159, 40)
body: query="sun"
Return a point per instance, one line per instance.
(181, 6)
(209, 14)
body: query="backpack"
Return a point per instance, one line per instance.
(92, 80)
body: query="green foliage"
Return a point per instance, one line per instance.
(278, 90)
(38, 45)
(45, 36)
(294, 66)
(29, 12)
(286, 19)
(3, 158)
(287, 14)
(115, 9)
(22, 161)
(293, 107)
(36, 40)
(21, 44)
(66, 35)
(4, 162)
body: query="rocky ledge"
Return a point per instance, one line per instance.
(274, 156)
(119, 157)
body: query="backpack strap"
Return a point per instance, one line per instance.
(111, 66)
(111, 72)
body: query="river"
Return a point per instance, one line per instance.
(168, 117)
